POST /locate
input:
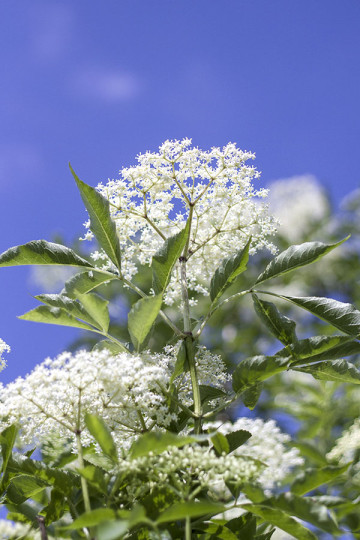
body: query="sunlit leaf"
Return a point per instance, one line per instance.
(141, 318)
(256, 369)
(337, 370)
(97, 307)
(310, 479)
(296, 257)
(102, 435)
(164, 260)
(228, 271)
(101, 223)
(157, 442)
(279, 325)
(72, 307)
(53, 315)
(42, 252)
(84, 282)
(190, 509)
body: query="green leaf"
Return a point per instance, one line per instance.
(296, 257)
(112, 530)
(337, 370)
(84, 282)
(92, 518)
(7, 441)
(72, 307)
(53, 315)
(310, 451)
(101, 223)
(97, 307)
(141, 318)
(317, 348)
(304, 509)
(56, 507)
(102, 435)
(343, 316)
(237, 438)
(164, 260)
(310, 479)
(251, 395)
(228, 271)
(244, 525)
(158, 442)
(43, 253)
(282, 520)
(23, 487)
(208, 393)
(181, 363)
(220, 443)
(112, 346)
(279, 325)
(212, 531)
(95, 476)
(183, 510)
(256, 369)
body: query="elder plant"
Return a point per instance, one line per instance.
(133, 442)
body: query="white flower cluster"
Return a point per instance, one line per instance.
(152, 201)
(55, 396)
(125, 390)
(186, 463)
(4, 347)
(267, 444)
(347, 444)
(299, 203)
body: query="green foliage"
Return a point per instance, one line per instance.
(102, 435)
(101, 224)
(228, 271)
(141, 318)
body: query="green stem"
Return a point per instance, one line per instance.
(84, 486)
(188, 529)
(189, 340)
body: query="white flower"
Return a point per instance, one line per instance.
(299, 202)
(267, 444)
(347, 444)
(4, 347)
(152, 200)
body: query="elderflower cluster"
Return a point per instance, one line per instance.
(4, 347)
(126, 390)
(347, 444)
(266, 444)
(299, 203)
(186, 464)
(152, 201)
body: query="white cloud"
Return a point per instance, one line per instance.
(106, 85)
(52, 28)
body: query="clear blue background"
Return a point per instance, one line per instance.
(98, 82)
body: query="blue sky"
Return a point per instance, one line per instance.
(95, 83)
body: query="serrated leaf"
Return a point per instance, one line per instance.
(317, 348)
(343, 316)
(337, 370)
(279, 325)
(244, 525)
(237, 438)
(23, 487)
(296, 257)
(282, 520)
(113, 347)
(7, 441)
(56, 507)
(158, 442)
(141, 318)
(256, 369)
(42, 252)
(84, 282)
(228, 271)
(97, 307)
(190, 509)
(102, 435)
(208, 393)
(212, 531)
(72, 307)
(53, 315)
(95, 476)
(251, 395)
(101, 223)
(306, 510)
(310, 479)
(220, 443)
(165, 258)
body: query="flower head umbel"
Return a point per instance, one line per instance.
(153, 200)
(4, 347)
